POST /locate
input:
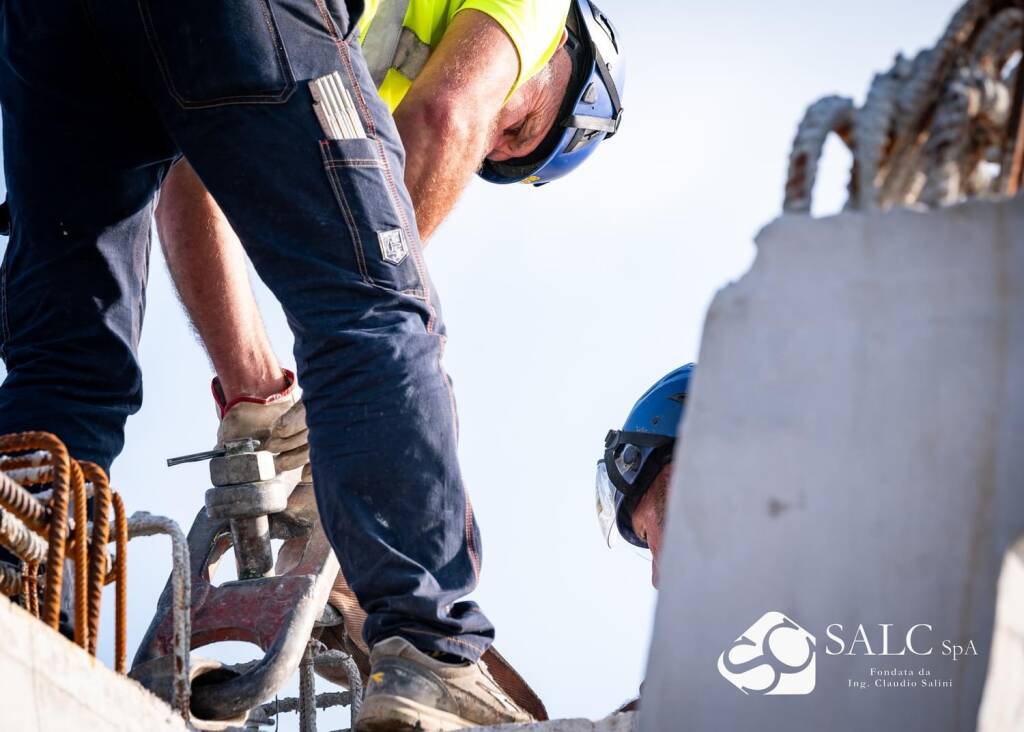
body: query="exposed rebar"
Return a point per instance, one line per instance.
(80, 556)
(25, 460)
(307, 689)
(121, 588)
(146, 524)
(339, 659)
(827, 115)
(933, 131)
(100, 538)
(10, 580)
(998, 40)
(326, 700)
(30, 588)
(22, 541)
(33, 475)
(872, 129)
(57, 535)
(22, 504)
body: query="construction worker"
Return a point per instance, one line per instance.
(516, 89)
(513, 89)
(99, 100)
(634, 475)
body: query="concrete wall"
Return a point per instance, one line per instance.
(616, 723)
(51, 685)
(853, 453)
(1002, 706)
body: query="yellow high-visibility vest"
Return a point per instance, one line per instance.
(399, 35)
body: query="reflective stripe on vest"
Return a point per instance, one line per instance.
(390, 45)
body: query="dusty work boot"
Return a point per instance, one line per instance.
(409, 690)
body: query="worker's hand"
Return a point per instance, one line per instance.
(278, 422)
(289, 438)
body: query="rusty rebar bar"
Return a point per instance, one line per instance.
(80, 556)
(934, 130)
(100, 537)
(25, 460)
(28, 468)
(827, 115)
(121, 588)
(10, 580)
(57, 536)
(33, 475)
(30, 587)
(22, 504)
(1013, 158)
(45, 496)
(21, 540)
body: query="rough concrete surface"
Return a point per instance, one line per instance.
(853, 454)
(1002, 706)
(616, 723)
(51, 685)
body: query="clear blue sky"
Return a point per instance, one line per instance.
(563, 304)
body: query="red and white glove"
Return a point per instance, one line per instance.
(277, 421)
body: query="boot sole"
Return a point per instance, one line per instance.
(387, 713)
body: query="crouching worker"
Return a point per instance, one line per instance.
(634, 476)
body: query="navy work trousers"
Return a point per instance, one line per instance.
(99, 98)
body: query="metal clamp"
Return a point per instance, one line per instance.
(275, 613)
(249, 505)
(246, 489)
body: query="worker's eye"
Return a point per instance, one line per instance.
(522, 133)
(515, 132)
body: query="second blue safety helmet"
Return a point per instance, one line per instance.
(635, 454)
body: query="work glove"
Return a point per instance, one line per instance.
(277, 421)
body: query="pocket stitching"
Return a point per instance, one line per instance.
(339, 195)
(282, 64)
(414, 241)
(379, 163)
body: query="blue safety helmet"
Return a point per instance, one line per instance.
(634, 455)
(592, 108)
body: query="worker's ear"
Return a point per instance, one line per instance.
(565, 37)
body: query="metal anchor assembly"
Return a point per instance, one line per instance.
(273, 603)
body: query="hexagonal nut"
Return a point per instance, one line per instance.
(248, 467)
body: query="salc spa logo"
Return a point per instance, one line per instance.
(773, 656)
(777, 656)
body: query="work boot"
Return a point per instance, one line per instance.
(409, 690)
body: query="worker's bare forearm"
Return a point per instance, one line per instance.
(443, 153)
(209, 270)
(446, 120)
